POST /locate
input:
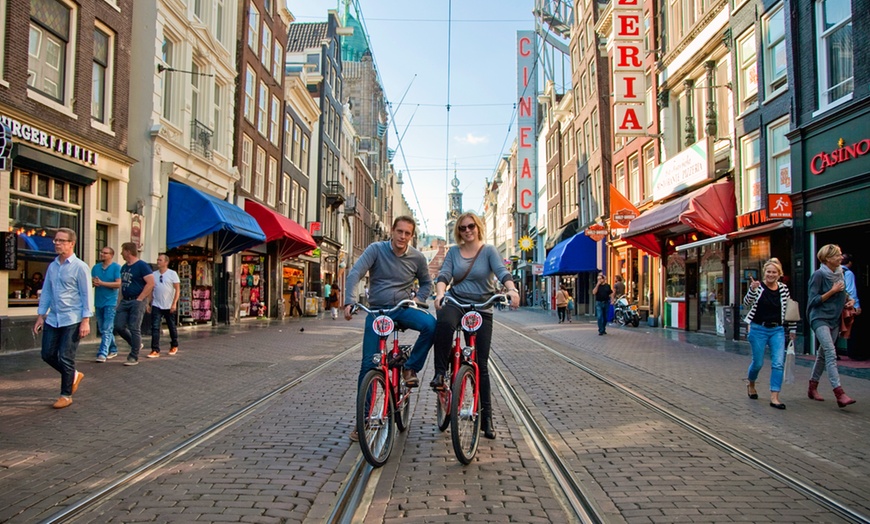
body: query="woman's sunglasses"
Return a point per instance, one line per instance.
(472, 226)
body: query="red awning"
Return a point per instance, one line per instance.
(710, 210)
(292, 238)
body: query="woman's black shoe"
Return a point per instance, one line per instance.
(777, 406)
(486, 426)
(438, 382)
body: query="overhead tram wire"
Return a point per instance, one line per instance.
(365, 28)
(447, 136)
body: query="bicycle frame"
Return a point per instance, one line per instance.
(461, 356)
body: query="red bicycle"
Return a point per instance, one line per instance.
(384, 400)
(459, 404)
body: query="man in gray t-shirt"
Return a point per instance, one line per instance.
(393, 267)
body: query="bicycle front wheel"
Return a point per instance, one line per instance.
(465, 422)
(374, 419)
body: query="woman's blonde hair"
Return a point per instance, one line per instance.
(477, 222)
(827, 251)
(775, 263)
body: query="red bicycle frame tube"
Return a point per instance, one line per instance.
(457, 355)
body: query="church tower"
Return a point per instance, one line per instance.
(455, 203)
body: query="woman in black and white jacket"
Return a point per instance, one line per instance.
(767, 302)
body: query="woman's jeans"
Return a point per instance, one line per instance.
(601, 307)
(59, 347)
(826, 357)
(106, 324)
(759, 338)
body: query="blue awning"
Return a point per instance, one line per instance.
(193, 214)
(575, 255)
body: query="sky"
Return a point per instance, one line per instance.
(409, 40)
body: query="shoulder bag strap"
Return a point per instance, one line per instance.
(471, 265)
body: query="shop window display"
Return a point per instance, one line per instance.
(195, 272)
(252, 283)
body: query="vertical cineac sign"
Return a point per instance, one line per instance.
(527, 107)
(629, 82)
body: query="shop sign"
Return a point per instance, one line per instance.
(629, 81)
(527, 108)
(538, 269)
(779, 206)
(36, 136)
(596, 232)
(843, 153)
(752, 219)
(314, 229)
(8, 251)
(5, 147)
(136, 230)
(686, 169)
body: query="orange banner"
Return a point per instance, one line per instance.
(622, 211)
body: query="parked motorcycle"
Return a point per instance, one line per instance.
(625, 313)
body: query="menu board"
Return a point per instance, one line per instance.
(8, 251)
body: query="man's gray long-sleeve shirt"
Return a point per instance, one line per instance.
(391, 277)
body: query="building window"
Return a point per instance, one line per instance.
(103, 195)
(2, 39)
(779, 162)
(253, 28)
(592, 78)
(259, 173)
(101, 78)
(194, 91)
(294, 203)
(288, 144)
(262, 109)
(303, 205)
(247, 151)
(102, 238)
(303, 156)
(266, 54)
(619, 178)
(634, 178)
(278, 62)
(275, 120)
(747, 81)
(649, 162)
(217, 105)
(250, 96)
(584, 90)
(219, 20)
(49, 48)
(167, 55)
(750, 184)
(285, 195)
(834, 26)
(774, 51)
(271, 187)
(595, 129)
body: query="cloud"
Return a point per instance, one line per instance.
(472, 139)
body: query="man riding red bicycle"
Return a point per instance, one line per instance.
(393, 267)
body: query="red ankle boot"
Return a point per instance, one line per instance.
(813, 391)
(843, 399)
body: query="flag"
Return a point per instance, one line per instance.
(622, 211)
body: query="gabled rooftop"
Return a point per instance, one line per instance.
(305, 35)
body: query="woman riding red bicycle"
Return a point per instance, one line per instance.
(469, 268)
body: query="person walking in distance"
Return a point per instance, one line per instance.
(618, 286)
(469, 268)
(164, 305)
(295, 299)
(852, 291)
(137, 281)
(826, 299)
(562, 302)
(393, 266)
(106, 279)
(767, 303)
(64, 314)
(334, 295)
(602, 293)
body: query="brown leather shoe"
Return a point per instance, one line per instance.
(173, 350)
(62, 402)
(410, 378)
(77, 381)
(354, 436)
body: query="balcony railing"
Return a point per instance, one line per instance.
(335, 193)
(200, 138)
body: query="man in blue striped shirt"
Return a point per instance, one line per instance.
(64, 313)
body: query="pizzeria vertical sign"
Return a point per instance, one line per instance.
(527, 106)
(629, 82)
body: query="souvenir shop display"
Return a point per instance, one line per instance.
(252, 285)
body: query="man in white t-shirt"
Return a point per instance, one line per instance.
(164, 304)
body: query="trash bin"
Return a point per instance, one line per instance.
(730, 321)
(312, 304)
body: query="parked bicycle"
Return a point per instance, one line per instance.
(459, 403)
(383, 402)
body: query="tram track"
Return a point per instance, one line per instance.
(124, 482)
(567, 483)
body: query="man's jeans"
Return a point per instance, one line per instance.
(157, 315)
(106, 324)
(128, 324)
(407, 318)
(601, 309)
(759, 338)
(59, 347)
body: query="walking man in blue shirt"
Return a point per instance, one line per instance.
(137, 281)
(106, 279)
(64, 314)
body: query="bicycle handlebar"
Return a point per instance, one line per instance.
(403, 304)
(493, 299)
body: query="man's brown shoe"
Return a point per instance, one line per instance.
(62, 402)
(410, 378)
(154, 354)
(354, 436)
(76, 382)
(173, 350)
